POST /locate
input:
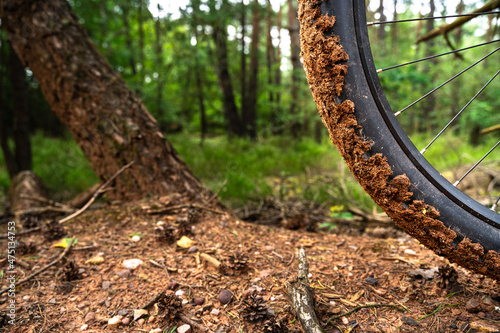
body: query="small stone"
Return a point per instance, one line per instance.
(184, 328)
(82, 305)
(199, 300)
(172, 285)
(115, 321)
(126, 321)
(89, 317)
(132, 263)
(410, 252)
(473, 306)
(410, 321)
(141, 321)
(139, 313)
(179, 293)
(225, 296)
(152, 319)
(215, 312)
(106, 285)
(52, 301)
(193, 249)
(136, 238)
(26, 298)
(84, 327)
(371, 280)
(122, 312)
(125, 273)
(156, 330)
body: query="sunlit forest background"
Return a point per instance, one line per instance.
(225, 81)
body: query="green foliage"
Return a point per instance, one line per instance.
(61, 165)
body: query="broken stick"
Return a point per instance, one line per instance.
(65, 252)
(302, 298)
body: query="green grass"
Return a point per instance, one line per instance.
(277, 166)
(61, 165)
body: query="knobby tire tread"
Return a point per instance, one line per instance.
(376, 153)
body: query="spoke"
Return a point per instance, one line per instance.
(495, 205)
(475, 165)
(432, 18)
(437, 55)
(446, 82)
(459, 113)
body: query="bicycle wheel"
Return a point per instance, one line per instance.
(345, 86)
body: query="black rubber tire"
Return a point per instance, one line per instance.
(466, 217)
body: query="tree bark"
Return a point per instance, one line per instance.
(243, 65)
(224, 77)
(21, 135)
(294, 29)
(128, 37)
(159, 68)
(108, 121)
(251, 108)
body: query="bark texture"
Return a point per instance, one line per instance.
(109, 122)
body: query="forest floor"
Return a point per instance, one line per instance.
(232, 277)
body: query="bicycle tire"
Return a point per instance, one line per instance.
(342, 78)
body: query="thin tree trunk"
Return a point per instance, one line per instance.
(103, 12)
(128, 38)
(159, 68)
(294, 29)
(394, 30)
(251, 116)
(140, 15)
(21, 133)
(269, 50)
(381, 29)
(224, 77)
(107, 120)
(4, 136)
(276, 116)
(243, 65)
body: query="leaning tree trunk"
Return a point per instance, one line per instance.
(108, 121)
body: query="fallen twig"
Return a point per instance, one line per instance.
(23, 232)
(96, 194)
(191, 322)
(65, 252)
(302, 299)
(155, 299)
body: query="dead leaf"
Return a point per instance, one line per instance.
(97, 260)
(185, 242)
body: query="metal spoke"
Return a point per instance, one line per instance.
(495, 205)
(446, 82)
(436, 56)
(431, 18)
(475, 165)
(460, 112)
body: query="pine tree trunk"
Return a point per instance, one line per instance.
(21, 135)
(251, 115)
(243, 66)
(107, 120)
(294, 29)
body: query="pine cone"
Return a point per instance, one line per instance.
(274, 326)
(169, 306)
(165, 234)
(236, 262)
(53, 230)
(256, 310)
(193, 215)
(70, 271)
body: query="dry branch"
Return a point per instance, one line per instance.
(301, 297)
(446, 28)
(97, 193)
(65, 252)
